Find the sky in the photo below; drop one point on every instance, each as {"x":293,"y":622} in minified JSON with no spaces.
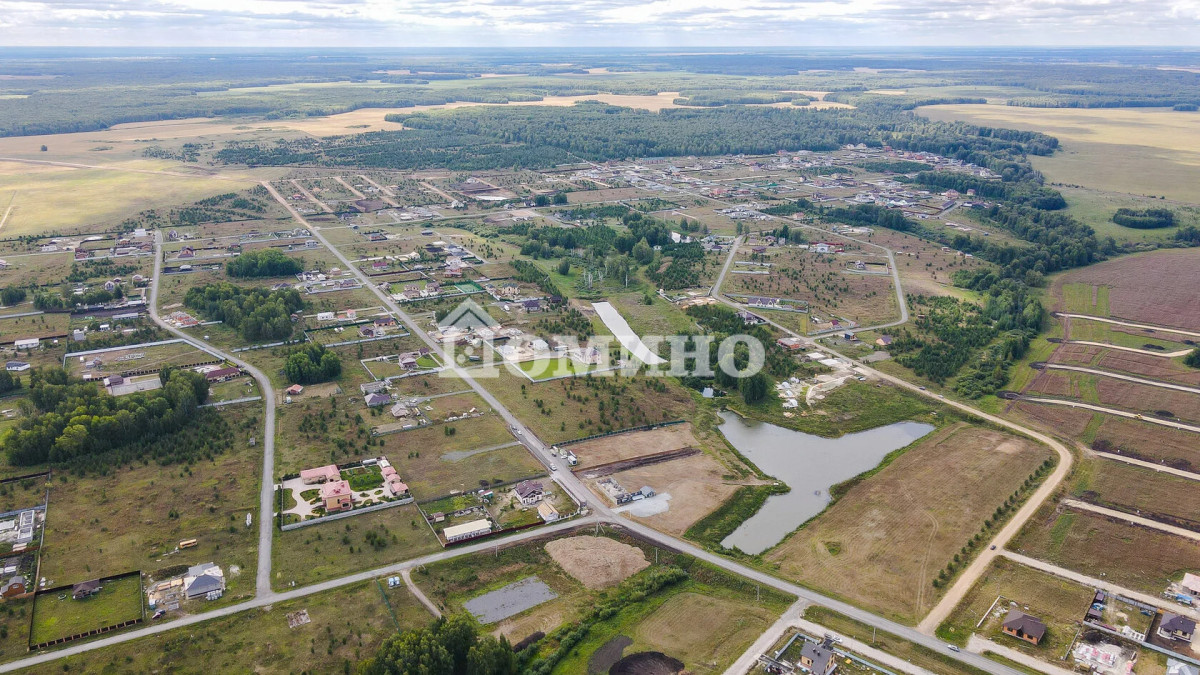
{"x":596,"y":23}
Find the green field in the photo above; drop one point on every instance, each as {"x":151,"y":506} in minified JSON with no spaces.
{"x":544,"y":369}
{"x":56,"y":615}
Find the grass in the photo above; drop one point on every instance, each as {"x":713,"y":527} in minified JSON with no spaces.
{"x":1096,"y":208}
{"x":856,"y":406}
{"x":57,"y":615}
{"x":1019,"y":667}
{"x":918,"y":655}
{"x":1096,"y":331}
{"x":347,"y":625}
{"x":1139,"y":151}
{"x":1150,"y":494}
{"x":1126,"y":555}
{"x":1085,"y":299}
{"x":330,"y":550}
{"x":544,"y":369}
{"x":1060,"y":604}
{"x":909,"y":515}
{"x":134,"y":517}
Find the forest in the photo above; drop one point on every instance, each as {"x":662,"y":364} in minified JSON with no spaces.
{"x":77,"y":420}
{"x":264,"y":262}
{"x":257,"y":314}
{"x":311,"y":364}
{"x":1144,"y":219}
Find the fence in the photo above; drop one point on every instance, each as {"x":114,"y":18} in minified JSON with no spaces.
{"x":344,"y":514}
{"x":95,"y":631}
{"x":644,"y":427}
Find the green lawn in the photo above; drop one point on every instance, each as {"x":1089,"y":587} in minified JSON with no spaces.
{"x":57,"y":615}
{"x":542,"y":369}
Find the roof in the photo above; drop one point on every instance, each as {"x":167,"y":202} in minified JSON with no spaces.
{"x":86,"y":586}
{"x":1174,"y":623}
{"x":203,"y":568}
{"x":1025,"y":624}
{"x":1191,"y":582}
{"x":222,"y":372}
{"x":528,"y":487}
{"x":546,"y":509}
{"x":819,"y":656}
{"x":205,"y":583}
{"x":377,"y":399}
{"x":329,"y":472}
{"x":467,"y":528}
{"x":335,"y":489}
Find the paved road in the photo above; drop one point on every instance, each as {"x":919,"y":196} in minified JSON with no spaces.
{"x":787,"y":621}
{"x":979,"y":645}
{"x":981,"y":562}
{"x":1103,"y":585}
{"x":1127,"y":378}
{"x":1128,"y":324}
{"x":1136,"y":520}
{"x":1149,"y":465}
{"x":569,"y":482}
{"x":266,"y":507}
{"x":1135,"y":350}
{"x":716,"y":287}
{"x":1113,"y":411}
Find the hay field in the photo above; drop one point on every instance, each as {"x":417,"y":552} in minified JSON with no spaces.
{"x":1145,"y":151}
{"x":633,"y":444}
{"x":57,"y":198}
{"x":884,"y":541}
{"x":1168,"y":277}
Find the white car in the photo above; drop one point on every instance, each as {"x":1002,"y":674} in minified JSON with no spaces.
{"x":553,"y":467}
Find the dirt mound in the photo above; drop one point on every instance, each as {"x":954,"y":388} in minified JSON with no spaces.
{"x":597,"y":562}
{"x":647,"y":663}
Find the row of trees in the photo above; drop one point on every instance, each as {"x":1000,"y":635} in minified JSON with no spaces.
{"x":264,"y":262}
{"x":77,"y":420}
{"x":258,"y":313}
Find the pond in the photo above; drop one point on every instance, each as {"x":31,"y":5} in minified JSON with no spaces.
{"x":810,"y":465}
{"x":510,"y":600}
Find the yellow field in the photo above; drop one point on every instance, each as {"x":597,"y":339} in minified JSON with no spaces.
{"x":1144,"y":151}
{"x":45,"y":197}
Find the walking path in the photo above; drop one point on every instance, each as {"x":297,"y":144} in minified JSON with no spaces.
{"x":419,"y":594}
{"x":384,"y":193}
{"x":1093,"y":582}
{"x":354,"y":191}
{"x":1135,"y":350}
{"x":1150,"y":465}
{"x":306,"y":193}
{"x":1136,"y":520}
{"x":1127,"y":378}
{"x":1128,"y":324}
{"x":1113,"y":411}
{"x":980,"y":645}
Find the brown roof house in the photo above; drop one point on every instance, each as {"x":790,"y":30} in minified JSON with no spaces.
{"x":1024,"y":627}
{"x":337,"y":496}
{"x":1175,"y":627}
{"x":529,"y":492}
{"x":85,"y":589}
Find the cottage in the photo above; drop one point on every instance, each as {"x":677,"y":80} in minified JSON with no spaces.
{"x":85,"y":589}
{"x":203,"y":579}
{"x":790,"y":343}
{"x":294,"y":390}
{"x":322,"y":474}
{"x":1175,"y":627}
{"x":1191,"y":584}
{"x":16,"y":366}
{"x":532,"y":305}
{"x":113,"y":381}
{"x":372,"y":387}
{"x":529,"y":492}
{"x":392,"y":480}
{"x":369,"y":331}
{"x":14,"y":587}
{"x":385,"y":321}
{"x":475,"y":528}
{"x":337,"y":496}
{"x":1024,"y":627}
{"x":818,"y":659}
{"x":374,"y":400}
{"x":401,"y":410}
{"x":884,"y":340}
{"x":222,"y":374}
{"x":547,"y":512}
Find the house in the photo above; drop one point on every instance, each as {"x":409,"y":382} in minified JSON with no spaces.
{"x":1024,"y":627}
{"x":27,"y":343}
{"x":475,"y":528}
{"x":85,"y":589}
{"x":369,"y":331}
{"x":113,"y":381}
{"x":818,"y":659}
{"x":16,"y":366}
{"x":884,"y":340}
{"x":337,"y":496}
{"x":548,"y":513}
{"x":392,"y":480}
{"x":372,"y":387}
{"x":373,"y":400}
{"x":222,"y":374}
{"x":532,"y":305}
{"x":322,"y":474}
{"x":401,"y":410}
{"x":1175,"y":627}
{"x":294,"y":390}
{"x":14,"y":587}
{"x":202,"y":580}
{"x":790,"y":343}
{"x":385,"y":321}
{"x":187,"y":252}
{"x":1191,"y":584}
{"x":529,"y":492}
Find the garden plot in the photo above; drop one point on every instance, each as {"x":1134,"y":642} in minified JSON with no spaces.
{"x":57,"y":614}
{"x":143,"y":359}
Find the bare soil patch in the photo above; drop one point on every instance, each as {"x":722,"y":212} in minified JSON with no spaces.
{"x":597,"y":562}
{"x":633,"y":444}
{"x":1053,"y":383}
{"x":696,"y":484}
{"x":1153,"y":367}
{"x":647,"y":663}
{"x":1132,"y":396}
{"x":608,"y":654}
{"x":1168,"y":277}
{"x":1077,"y":355}
{"x":1068,"y":421}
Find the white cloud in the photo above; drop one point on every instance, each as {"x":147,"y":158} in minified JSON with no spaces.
{"x":481,"y":23}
